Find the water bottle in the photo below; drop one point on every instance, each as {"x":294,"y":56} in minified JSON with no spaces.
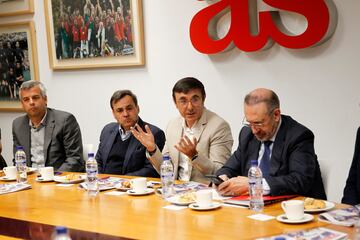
{"x":91,"y":175}
{"x":255,"y":187}
{"x":61,"y":233}
{"x":167,"y":177}
{"x":356,"y":231}
{"x":20,"y":161}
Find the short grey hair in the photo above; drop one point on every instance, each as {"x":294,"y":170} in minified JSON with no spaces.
{"x":32,"y":83}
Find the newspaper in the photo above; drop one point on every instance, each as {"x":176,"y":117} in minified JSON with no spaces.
{"x":310,"y":234}
{"x":344,"y":217}
{"x":13,"y":187}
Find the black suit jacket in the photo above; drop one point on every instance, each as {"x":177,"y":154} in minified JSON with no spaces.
{"x":135,"y":163}
{"x":352,"y":187}
{"x":294,"y":168}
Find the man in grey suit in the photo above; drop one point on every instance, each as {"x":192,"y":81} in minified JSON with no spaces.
{"x":284,"y":148}
{"x":198,"y":142}
{"x":50,"y":137}
{"x":119,"y":152}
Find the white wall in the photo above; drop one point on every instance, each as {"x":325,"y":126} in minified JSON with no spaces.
{"x":318,"y":86}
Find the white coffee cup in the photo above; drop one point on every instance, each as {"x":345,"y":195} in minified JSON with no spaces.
{"x":139,"y":185}
{"x":10,"y":172}
{"x":204,"y":198}
{"x":294,"y":209}
{"x":47,"y":173}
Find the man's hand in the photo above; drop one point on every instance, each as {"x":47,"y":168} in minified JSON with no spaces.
{"x":234,"y":187}
{"x":145,"y":138}
{"x":187,"y":147}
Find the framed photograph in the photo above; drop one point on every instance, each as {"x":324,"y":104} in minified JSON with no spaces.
{"x":18,"y":62}
{"x":84,"y":34}
{"x":16,"y":7}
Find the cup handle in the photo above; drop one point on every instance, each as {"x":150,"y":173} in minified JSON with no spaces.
{"x":283,"y":206}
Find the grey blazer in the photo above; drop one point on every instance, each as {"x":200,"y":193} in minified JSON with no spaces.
{"x":62,"y":144}
{"x":214,"y":146}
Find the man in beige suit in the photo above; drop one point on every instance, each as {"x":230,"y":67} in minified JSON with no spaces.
{"x":198,"y":142}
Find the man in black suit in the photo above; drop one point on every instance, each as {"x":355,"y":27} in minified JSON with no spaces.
{"x":352,"y":187}
{"x":291,"y":166}
{"x":119,"y":151}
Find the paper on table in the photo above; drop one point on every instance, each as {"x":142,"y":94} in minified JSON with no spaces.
{"x":174,"y":207}
{"x":261,"y":217}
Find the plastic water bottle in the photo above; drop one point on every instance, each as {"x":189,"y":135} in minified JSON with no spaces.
{"x":255,"y":187}
{"x":91,"y":175}
{"x":356,"y":231}
{"x":20,"y":161}
{"x":167,"y":177}
{"x":61,"y":233}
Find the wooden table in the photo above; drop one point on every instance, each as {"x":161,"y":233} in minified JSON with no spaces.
{"x":135,"y":217}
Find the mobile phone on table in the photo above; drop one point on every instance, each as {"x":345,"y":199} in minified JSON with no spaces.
{"x":215,"y":179}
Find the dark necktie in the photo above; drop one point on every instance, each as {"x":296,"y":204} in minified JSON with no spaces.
{"x":265,"y":160}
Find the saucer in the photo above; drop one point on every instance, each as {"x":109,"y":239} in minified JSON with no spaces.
{"x":284,"y":219}
{"x":5,"y":178}
{"x":146,"y":192}
{"x":213,"y":205}
{"x":40,"y":179}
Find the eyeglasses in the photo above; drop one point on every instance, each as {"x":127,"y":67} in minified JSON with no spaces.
{"x":195,"y":101}
{"x":254,"y":125}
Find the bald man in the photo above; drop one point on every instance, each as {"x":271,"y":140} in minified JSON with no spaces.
{"x":283,"y":147}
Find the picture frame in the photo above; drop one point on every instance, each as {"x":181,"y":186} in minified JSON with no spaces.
{"x":16,"y":7}
{"x":97,"y":34}
{"x":18,"y":62}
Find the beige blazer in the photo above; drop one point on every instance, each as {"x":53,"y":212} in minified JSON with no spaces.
{"x":214,"y":146}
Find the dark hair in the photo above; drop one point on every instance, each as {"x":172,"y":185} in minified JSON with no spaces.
{"x":186,"y":84}
{"x":119,"y":94}
{"x":271,"y":100}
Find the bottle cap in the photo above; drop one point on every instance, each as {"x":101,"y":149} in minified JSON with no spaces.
{"x":254,"y":162}
{"x":90,"y":155}
{"x":19,"y":148}
{"x":61,"y":230}
{"x":166,"y":157}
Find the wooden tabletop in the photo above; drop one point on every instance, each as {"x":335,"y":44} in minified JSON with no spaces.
{"x":137,"y":217}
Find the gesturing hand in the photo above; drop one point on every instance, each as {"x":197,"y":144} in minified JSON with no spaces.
{"x":145,"y":138}
{"x":187,"y":147}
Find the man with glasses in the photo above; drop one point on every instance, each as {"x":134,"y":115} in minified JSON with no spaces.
{"x":199,"y":141}
{"x":283,"y":147}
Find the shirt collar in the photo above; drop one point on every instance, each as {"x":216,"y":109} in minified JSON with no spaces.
{"x":276,"y":132}
{"x":42,"y":122}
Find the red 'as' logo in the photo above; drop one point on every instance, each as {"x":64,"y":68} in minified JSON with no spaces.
{"x":252,"y":31}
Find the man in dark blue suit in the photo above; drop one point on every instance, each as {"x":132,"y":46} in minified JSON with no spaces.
{"x":291,"y":165}
{"x":352,"y":187}
{"x":119,"y":151}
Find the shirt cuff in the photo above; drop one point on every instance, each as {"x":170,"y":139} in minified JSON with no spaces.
{"x":266,"y":187}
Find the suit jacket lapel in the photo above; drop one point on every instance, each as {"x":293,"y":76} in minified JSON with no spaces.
{"x":49,"y":129}
{"x":25,"y":130}
{"x":278,"y":147}
{"x":109,"y":143}
{"x":201,"y":125}
{"x":253,"y":152}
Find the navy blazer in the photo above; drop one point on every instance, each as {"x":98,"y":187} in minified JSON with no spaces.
{"x":135,"y":162}
{"x":294,"y":168}
{"x":352,"y":187}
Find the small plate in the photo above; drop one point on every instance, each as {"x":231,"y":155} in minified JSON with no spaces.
{"x":214,"y":205}
{"x":176,"y":200}
{"x":284,"y":219}
{"x":147,"y":191}
{"x":5,"y":178}
{"x":39,"y":179}
{"x":328,"y":206}
{"x":63,"y":179}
